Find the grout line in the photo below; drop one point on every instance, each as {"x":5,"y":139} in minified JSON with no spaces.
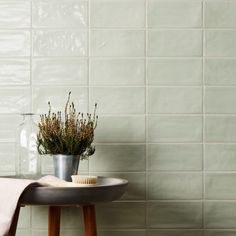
{"x":204,"y":117}
{"x":146,"y":114}
{"x":89,"y":58}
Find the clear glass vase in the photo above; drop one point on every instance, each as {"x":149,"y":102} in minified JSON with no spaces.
{"x":28,"y":162}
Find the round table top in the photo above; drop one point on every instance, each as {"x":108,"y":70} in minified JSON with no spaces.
{"x":106,"y":190}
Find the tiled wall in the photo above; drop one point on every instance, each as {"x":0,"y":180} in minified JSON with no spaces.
{"x":164,"y":74}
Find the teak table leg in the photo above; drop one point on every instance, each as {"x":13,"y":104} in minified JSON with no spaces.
{"x":89,"y":220}
{"x":54,"y":216}
{"x":12,"y":231}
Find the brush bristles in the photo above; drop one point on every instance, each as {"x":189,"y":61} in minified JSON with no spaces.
{"x":84,"y":179}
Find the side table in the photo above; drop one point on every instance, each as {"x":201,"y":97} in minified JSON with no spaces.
{"x":106,"y":190}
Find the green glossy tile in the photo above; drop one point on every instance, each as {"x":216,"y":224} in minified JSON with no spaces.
{"x":118,"y":158}
{"x":175,"y":100}
{"x":174,"y":215}
{"x":220,"y":215}
{"x":23,"y":232}
{"x":117,"y":71}
{"x":164,"y":186}
{"x":220,"y":157}
{"x":220,"y":14}
{"x":174,"y":232}
{"x":39,"y":217}
{"x":24,"y":217}
{"x":71,"y":218}
{"x":174,"y":14}
{"x":174,"y":157}
{"x":220,"y":128}
{"x":220,"y":186}
{"x":175,"y":43}
{"x":59,"y":14}
{"x":136,"y":189}
{"x":118,"y":43}
{"x":174,"y":129}
{"x":8,"y":126}
{"x":60,"y":71}
{"x":116,"y":13}
{"x":7,"y":165}
{"x":122,"y":233}
{"x":174,"y":71}
{"x":220,"y":43}
{"x":121,"y":215}
{"x":71,"y":232}
{"x":219,"y":233}
{"x":118,"y":100}
{"x":220,"y":71}
{"x":220,"y":100}
{"x":120,"y":129}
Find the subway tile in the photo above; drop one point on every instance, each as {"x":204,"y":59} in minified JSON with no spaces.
{"x":117,"y":157}
{"x":39,"y":217}
{"x":117,"y":71}
{"x":166,"y":157}
{"x":8,"y":126}
{"x":136,"y":189}
{"x":117,"y":13}
{"x":220,"y":215}
{"x":174,"y":71}
{"x":220,"y":14}
{"x":220,"y":100}
{"x":174,"y":232}
{"x":119,"y":232}
{"x":174,"y":215}
{"x":220,"y":157}
{"x":174,"y":14}
{"x":14,"y":100}
{"x":220,"y":186}
{"x":58,"y":98}
{"x":174,"y":128}
{"x":14,"y":14}
{"x":59,"y":14}
{"x":23,"y":232}
{"x":65,"y":71}
{"x":7,"y":165}
{"x":70,"y":232}
{"x":175,"y":100}
{"x":220,"y":71}
{"x":219,"y":232}
{"x":14,"y":43}
{"x":118,"y":100}
{"x":164,"y":186}
{"x":120,"y":129}
{"x":59,"y":43}
{"x":118,"y":43}
{"x":71,"y":218}
{"x":220,"y":43}
{"x":121,"y":215}
{"x":24,"y":217}
{"x":174,"y":43}
{"x":14,"y":72}
{"x":220,"y":128}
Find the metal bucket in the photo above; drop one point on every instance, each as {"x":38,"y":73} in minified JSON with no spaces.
{"x":65,"y":166}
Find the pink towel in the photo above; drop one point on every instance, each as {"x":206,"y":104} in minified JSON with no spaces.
{"x":10,"y":191}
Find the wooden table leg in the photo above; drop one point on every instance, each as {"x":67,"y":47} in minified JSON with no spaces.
{"x":89,"y":220}
{"x":54,"y":216}
{"x":12,"y":231}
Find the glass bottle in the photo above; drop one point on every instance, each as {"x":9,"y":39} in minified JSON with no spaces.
{"x":28,"y":162}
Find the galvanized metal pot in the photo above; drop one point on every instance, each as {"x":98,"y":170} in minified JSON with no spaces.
{"x":65,"y":166}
